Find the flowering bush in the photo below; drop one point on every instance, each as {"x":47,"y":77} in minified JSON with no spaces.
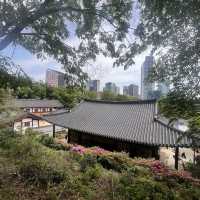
{"x":160,"y":169}
{"x":92,"y":150}
{"x":78,"y":149}
{"x":97,"y":150}
{"x":120,"y":161}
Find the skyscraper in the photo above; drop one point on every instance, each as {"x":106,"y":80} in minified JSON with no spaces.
{"x":150,"y":90}
{"x":146,"y":86}
{"x":55,"y":78}
{"x":94,"y":85}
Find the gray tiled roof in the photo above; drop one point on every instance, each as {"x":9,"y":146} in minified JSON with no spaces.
{"x":56,"y":112}
{"x":129,"y":121}
{"x":37,"y":103}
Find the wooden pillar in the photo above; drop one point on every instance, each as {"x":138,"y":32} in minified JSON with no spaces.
{"x":69,"y":136}
{"x":54,"y":130}
{"x":176,"y":157}
{"x":38,"y":124}
{"x":32,"y":122}
{"x":194,"y":160}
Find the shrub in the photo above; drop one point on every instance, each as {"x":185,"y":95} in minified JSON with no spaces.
{"x":36,"y":163}
{"x":194,"y":168}
{"x":49,"y":142}
{"x":87,"y":160}
{"x":40,"y":174}
{"x":142,"y":188}
{"x":97,"y":150}
{"x":46,"y":140}
{"x":92,"y":173}
{"x":78,"y":149}
{"x":7,"y":138}
{"x":190,"y":193}
{"x":129,"y":175}
{"x":114,"y":161}
{"x":25,"y":148}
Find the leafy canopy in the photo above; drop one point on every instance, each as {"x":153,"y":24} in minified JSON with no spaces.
{"x":171,"y":28}
{"x":43,"y":28}
{"x":11,"y":75}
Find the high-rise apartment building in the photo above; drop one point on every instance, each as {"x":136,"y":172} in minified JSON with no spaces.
{"x":131,"y":90}
{"x":55,"y":78}
{"x":117,"y":91}
{"x":94,"y":85}
{"x":111,"y":87}
{"x":125,"y":90}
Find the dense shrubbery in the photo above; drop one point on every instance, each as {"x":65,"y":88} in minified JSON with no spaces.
{"x":40,"y":174}
{"x":195,"y":168}
{"x":115,"y":161}
{"x":121,"y":161}
{"x":49,"y":142}
{"x":6,"y":138}
{"x":76,"y":175}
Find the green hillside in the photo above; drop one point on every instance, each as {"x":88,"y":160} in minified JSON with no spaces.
{"x":36,"y":167}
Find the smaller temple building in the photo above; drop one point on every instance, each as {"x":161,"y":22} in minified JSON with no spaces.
{"x":32,"y":110}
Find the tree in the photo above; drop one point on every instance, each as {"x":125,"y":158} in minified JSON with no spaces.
{"x":8,"y":112}
{"x":172,"y":29}
{"x":69,"y":97}
{"x":39,"y":90}
{"x":155,"y":94}
{"x":90,"y":95}
{"x":43,"y":27}
{"x":11,"y":75}
{"x":25,"y":92}
{"x":177,"y":106}
{"x":107,"y":95}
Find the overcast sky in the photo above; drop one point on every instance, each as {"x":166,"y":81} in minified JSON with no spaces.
{"x":101,"y":69}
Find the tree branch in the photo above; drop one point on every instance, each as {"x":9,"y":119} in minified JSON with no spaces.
{"x":13,"y":34}
{"x":33,"y":34}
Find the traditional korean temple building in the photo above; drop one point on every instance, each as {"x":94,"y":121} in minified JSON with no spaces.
{"x":38,"y":106}
{"x":132,"y":126}
{"x":32,"y":109}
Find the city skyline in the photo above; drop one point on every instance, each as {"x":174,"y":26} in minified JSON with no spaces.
{"x":52,"y":79}
{"x":36,"y":68}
